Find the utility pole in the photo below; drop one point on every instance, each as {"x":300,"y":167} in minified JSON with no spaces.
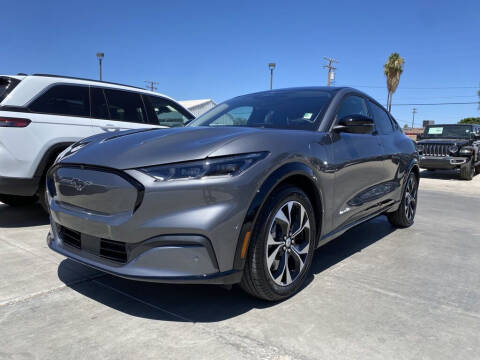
{"x":414,"y":111}
{"x":151,"y":85}
{"x":331,"y":69}
{"x":100,"y":57}
{"x":271,"y":66}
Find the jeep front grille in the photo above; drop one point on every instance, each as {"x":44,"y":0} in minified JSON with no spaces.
{"x":435,"y":149}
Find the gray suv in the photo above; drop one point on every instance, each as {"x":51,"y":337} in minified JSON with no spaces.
{"x":243,"y":194}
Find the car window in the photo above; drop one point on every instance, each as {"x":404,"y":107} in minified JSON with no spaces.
{"x":7,"y":84}
{"x":382,"y":120}
{"x":125,"y":106}
{"x":352,"y":105}
{"x":236,"y":117}
{"x":166,"y":113}
{"x":63,"y":100}
{"x":99,"y":106}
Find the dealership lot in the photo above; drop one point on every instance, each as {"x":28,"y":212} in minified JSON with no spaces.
{"x":375,"y":292}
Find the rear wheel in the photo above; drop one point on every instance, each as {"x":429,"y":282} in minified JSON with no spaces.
{"x":467,"y":171}
{"x":15,"y":200}
{"x":405,"y":214}
{"x":282,"y":246}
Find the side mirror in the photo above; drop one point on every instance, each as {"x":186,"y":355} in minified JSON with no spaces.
{"x":355,"y":124}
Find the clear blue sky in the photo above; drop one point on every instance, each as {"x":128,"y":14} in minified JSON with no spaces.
{"x":220,"y":49}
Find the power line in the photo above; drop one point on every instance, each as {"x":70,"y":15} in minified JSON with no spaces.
{"x":331,"y":69}
{"x":419,"y":88}
{"x":443,"y":103}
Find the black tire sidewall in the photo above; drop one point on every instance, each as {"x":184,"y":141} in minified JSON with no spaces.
{"x":275,"y":202}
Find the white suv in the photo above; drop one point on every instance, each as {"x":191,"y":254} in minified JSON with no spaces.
{"x":41,"y":115}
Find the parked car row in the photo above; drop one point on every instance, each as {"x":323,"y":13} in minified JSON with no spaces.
{"x":243,"y":194}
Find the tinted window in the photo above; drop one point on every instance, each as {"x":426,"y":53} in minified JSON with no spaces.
{"x":63,"y":100}
{"x":99,"y":104}
{"x":166,"y":113}
{"x":6,"y":86}
{"x":382,"y":120}
{"x":296,"y":110}
{"x":352,"y":105}
{"x":125,"y":106}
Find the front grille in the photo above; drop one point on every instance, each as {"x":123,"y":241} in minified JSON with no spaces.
{"x":108,"y":249}
{"x":71,"y":237}
{"x":435,"y":149}
{"x":113,"y":250}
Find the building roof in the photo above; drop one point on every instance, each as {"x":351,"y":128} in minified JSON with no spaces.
{"x":194,"y":103}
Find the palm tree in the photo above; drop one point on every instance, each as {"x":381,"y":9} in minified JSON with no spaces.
{"x":392,"y":69}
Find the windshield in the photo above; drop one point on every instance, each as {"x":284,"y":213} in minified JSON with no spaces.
{"x":448,"y":131}
{"x":297,"y":110}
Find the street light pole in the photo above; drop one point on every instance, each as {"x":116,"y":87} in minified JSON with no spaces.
{"x":271,"y":66}
{"x":100,"y":57}
{"x":414,"y":111}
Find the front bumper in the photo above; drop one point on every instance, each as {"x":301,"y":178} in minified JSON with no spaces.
{"x":446,"y":162}
{"x":186,"y":259}
{"x":185,"y":231}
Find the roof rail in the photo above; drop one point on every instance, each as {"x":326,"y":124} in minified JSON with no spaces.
{"x":78,"y":78}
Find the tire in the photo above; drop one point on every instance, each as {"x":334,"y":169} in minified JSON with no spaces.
{"x":467,"y":171}
{"x":42,"y":197}
{"x":405,"y":214}
{"x":16,"y":201}
{"x":264,"y":276}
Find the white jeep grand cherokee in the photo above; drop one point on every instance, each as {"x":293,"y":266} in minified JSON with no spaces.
{"x":41,"y":115}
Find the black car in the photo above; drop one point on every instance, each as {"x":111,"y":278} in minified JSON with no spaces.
{"x":451,"y":147}
{"x":243,"y":194}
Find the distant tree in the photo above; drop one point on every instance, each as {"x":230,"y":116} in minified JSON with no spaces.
{"x":392,"y":69}
{"x":405,"y":126}
{"x":470,"y":120}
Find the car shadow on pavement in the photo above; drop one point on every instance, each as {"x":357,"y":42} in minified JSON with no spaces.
{"x":23,"y":216}
{"x":205,"y":303}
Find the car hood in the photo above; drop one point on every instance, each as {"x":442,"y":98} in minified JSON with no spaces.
{"x":443,"y":141}
{"x":146,"y":147}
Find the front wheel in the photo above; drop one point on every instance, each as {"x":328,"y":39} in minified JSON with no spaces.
{"x":405,"y":214}
{"x":467,"y":171}
{"x":282,"y":246}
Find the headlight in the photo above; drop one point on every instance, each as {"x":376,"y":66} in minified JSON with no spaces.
{"x":419,"y":148}
{"x":466,"y":151}
{"x":453,"y":149}
{"x":221,"y":166}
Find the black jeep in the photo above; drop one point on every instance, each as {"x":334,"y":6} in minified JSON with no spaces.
{"x":450,"y":147}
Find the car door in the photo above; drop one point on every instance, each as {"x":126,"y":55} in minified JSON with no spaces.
{"x":114,"y":110}
{"x":392,"y":140}
{"x":358,"y":166}
{"x":59,"y":115}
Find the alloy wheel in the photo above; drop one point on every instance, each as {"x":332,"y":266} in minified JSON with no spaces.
{"x":288,"y":243}
{"x":411,"y":192}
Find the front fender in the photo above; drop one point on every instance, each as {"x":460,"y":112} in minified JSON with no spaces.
{"x":277,"y":177}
